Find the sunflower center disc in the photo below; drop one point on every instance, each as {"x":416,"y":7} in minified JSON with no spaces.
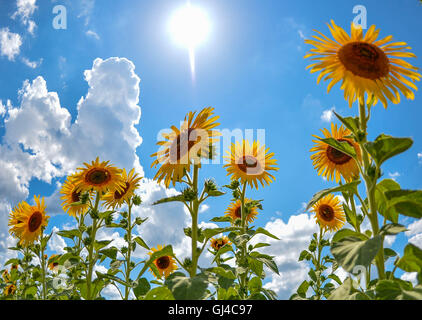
{"x":76,"y":196}
{"x":183,"y":143}
{"x":238,"y":213}
{"x":219,"y":244}
{"x":97,"y":176}
{"x":337,"y":156}
{"x":364,"y":60}
{"x":163,"y":262}
{"x":118,"y":195}
{"x":326,"y":212}
{"x":250,"y":165}
{"x":35,"y":221}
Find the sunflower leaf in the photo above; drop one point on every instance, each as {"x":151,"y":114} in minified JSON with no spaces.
{"x":411,"y":260}
{"x":386,"y":147}
{"x":184,"y":288}
{"x":350,"y":187}
{"x":209,"y":233}
{"x":342,"y":146}
{"x":179,"y":198}
{"x":352,"y":251}
{"x":159,"y":293}
{"x":381,"y":199}
{"x":351,"y":123}
{"x":405,"y":202}
{"x":141,"y":242}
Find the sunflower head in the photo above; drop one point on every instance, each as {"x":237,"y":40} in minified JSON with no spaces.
{"x":234,"y":211}
{"x":10,"y":290}
{"x":329,"y":213}
{"x":250,"y":163}
{"x":182,"y":147}
{"x":166,"y":265}
{"x":332,"y":163}
{"x":53,"y":261}
{"x":365,"y":65}
{"x":72,"y":197}
{"x":6,"y":276}
{"x":98,"y":176}
{"x":116,"y":198}
{"x":27,"y":222}
{"x":218,"y":243}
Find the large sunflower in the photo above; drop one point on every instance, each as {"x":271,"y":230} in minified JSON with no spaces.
{"x":27,"y":221}
{"x":250,"y":163}
{"x":9,"y":290}
{"x":166,"y":265}
{"x":329,"y":213}
{"x":364,"y":64}
{"x":218,"y":243}
{"x":331,"y":162}
{"x":234,"y":211}
{"x":181,"y":147}
{"x":98,"y":176}
{"x":117,"y":198}
{"x":72,"y":198}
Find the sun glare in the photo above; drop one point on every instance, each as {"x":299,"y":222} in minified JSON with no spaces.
{"x":189,"y":27}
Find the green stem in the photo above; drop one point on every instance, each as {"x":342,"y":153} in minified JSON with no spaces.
{"x":243,"y":278}
{"x":318,"y":266}
{"x":91,"y":261}
{"x":129,"y":252}
{"x":194,"y":213}
{"x":370,"y":189}
{"x":43,"y":267}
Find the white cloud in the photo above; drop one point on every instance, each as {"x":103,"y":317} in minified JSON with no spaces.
{"x":57,"y":243}
{"x":295,"y":236}
{"x":328,"y":115}
{"x":415,"y":233}
{"x":93,"y":34}
{"x":394,"y":175}
{"x":86,"y":8}
{"x":420,"y":157}
{"x":203,"y":208}
{"x":410,"y":276}
{"x":10,"y":43}
{"x":32,"y":64}
{"x":25,"y":10}
{"x":2,"y":109}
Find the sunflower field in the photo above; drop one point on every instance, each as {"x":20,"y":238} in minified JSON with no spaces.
{"x":372,"y":72}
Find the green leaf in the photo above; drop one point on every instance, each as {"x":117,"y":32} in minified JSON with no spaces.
{"x":159,"y":293}
{"x":392,"y":229}
{"x":184,"y":288}
{"x":141,"y":242}
{"x":342,"y":146}
{"x":222,"y":272}
{"x":70,"y":234}
{"x":266,"y":259}
{"x":386,"y":147}
{"x":350,"y":216}
{"x":303,"y":289}
{"x":406,"y":202}
{"x":256,"y":266}
{"x":110,"y":252}
{"x":98,"y":245}
{"x":221,"y":219}
{"x":142,"y":288}
{"x":260,"y":245}
{"x":216,"y":193}
{"x":110,"y":277}
{"x":209,"y":233}
{"x":351,"y":251}
{"x":263,"y":231}
{"x":255,"y":284}
{"x":344,"y":233}
{"x":347,"y":292}
{"x":381,"y":199}
{"x":393,"y":290}
{"x":349,"y":187}
{"x":335,"y":278}
{"x":411,"y":260}
{"x":351,"y":123}
{"x":179,"y":198}
{"x":305,"y":255}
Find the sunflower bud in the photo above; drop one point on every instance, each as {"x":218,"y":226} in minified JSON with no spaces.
{"x":189,"y":194}
{"x":124,"y":250}
{"x":210,"y":186}
{"x":137,"y":200}
{"x":235,"y":184}
{"x":187,"y":263}
{"x":94,"y":214}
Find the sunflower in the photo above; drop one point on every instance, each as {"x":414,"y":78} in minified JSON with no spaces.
{"x":364,"y":64}
{"x":218,"y":243}
{"x":6,"y":276}
{"x":234,"y":211}
{"x":329,"y":213}
{"x":27,"y":222}
{"x":52,"y":262}
{"x":166,"y":265}
{"x":117,"y":198}
{"x":98,"y":176}
{"x":10,"y":290}
{"x":331,"y":162}
{"x":72,"y":199}
{"x":181,"y":147}
{"x":250,"y":163}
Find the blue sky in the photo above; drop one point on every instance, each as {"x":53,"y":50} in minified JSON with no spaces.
{"x":251,"y":69}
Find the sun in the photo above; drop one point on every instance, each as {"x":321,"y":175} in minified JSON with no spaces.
{"x":189,"y":26}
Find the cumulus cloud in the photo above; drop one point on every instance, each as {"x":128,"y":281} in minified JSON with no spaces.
{"x":420,"y":157}
{"x":10,"y":44}
{"x":415,"y":233}
{"x":295,"y":235}
{"x":25,"y":11}
{"x":41,"y":142}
